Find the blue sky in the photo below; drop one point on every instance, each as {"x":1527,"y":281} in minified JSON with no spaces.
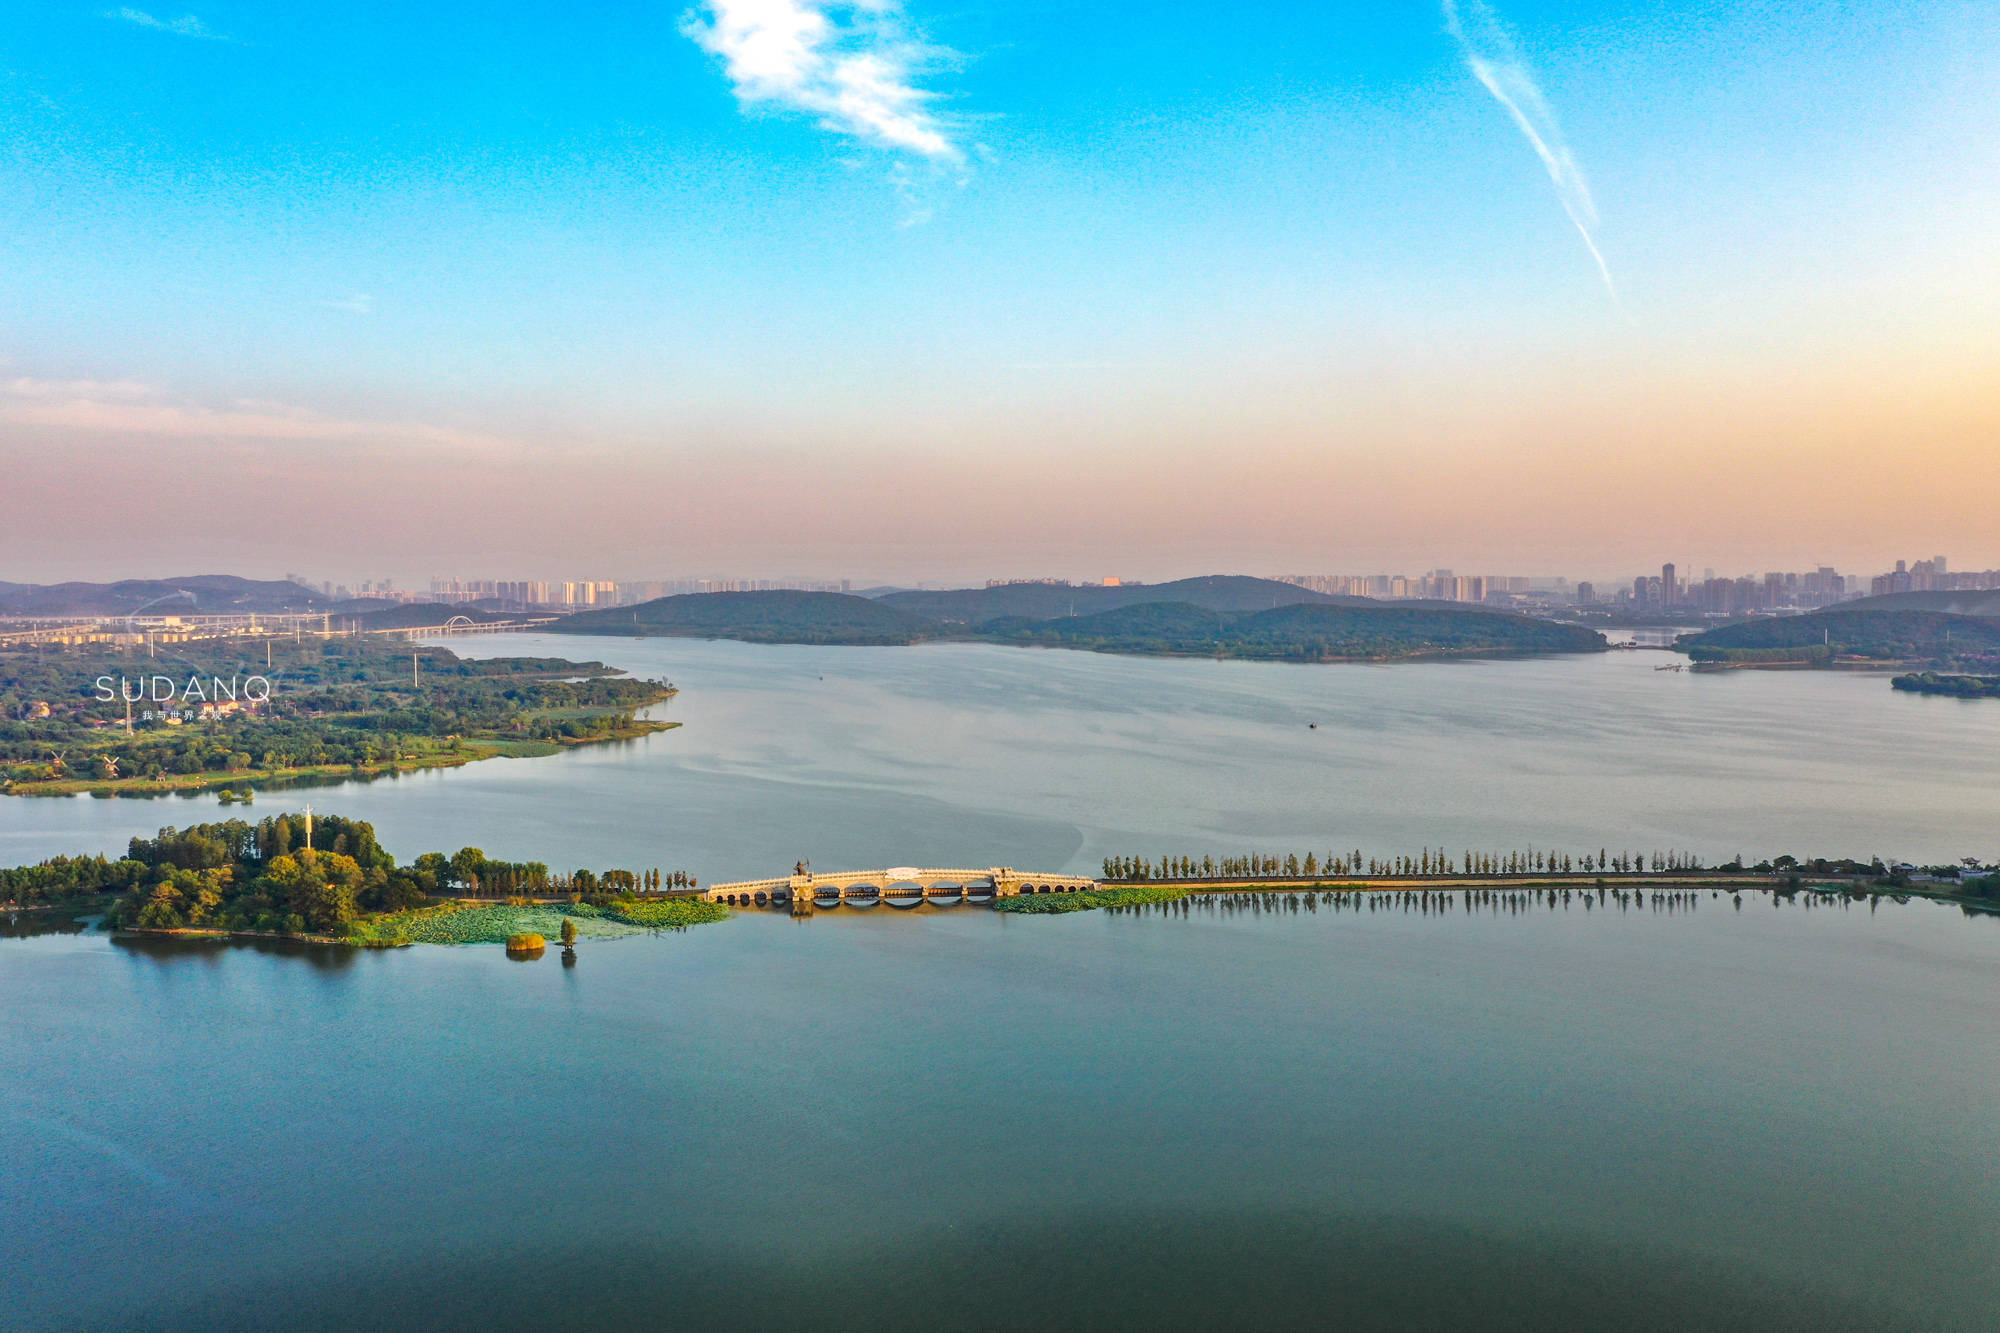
{"x":1238,"y":269}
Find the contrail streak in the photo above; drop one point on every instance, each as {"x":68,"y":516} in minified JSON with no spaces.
{"x":1496,"y":62}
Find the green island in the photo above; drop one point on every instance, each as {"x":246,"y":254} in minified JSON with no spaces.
{"x":1957,"y":686}
{"x":238,"y":715}
{"x":326,"y":879}
{"x":1213,"y":617}
{"x":1848,"y":636}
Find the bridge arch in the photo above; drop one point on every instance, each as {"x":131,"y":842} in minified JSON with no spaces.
{"x":901,"y":886}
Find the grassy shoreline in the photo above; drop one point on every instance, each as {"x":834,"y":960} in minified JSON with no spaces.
{"x":316,"y":774}
{"x":473,"y":921}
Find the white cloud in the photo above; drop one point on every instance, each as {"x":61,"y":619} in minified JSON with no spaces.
{"x":853,"y":65}
{"x":124,"y":407}
{"x":187,"y":25}
{"x":354,"y":303}
{"x":1497,"y":63}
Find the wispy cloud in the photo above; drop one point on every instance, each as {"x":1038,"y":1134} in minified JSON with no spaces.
{"x":187,"y":25}
{"x":125,"y":407}
{"x":1494,"y":59}
{"x":855,"y":66}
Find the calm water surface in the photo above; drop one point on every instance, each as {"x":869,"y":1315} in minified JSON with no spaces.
{"x":1765,"y":1118}
{"x":976,"y":755}
{"x":1709,"y":1117}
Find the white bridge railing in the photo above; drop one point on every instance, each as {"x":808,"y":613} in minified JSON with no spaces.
{"x":1001,"y":881}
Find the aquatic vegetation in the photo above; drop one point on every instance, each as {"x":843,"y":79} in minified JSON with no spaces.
{"x":1050,"y":904}
{"x":486,"y":923}
{"x":494,"y":923}
{"x":667,"y":914}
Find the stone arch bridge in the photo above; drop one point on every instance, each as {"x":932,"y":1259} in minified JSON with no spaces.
{"x":905,"y":886}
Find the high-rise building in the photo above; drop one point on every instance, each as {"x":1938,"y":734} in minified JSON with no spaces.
{"x":1669,"y":590}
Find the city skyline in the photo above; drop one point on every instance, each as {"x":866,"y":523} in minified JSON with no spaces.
{"x":911,"y":292}
{"x":1770,"y":590}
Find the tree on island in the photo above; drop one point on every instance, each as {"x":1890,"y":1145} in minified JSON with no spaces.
{"x":465,"y":867}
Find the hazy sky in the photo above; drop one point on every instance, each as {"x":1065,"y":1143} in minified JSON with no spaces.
{"x":769,"y":287}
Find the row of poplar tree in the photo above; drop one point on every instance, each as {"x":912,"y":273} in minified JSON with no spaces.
{"x":1431,"y":861}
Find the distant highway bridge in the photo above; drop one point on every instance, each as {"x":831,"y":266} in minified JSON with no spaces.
{"x":467,"y":625}
{"x":898,"y":886}
{"x":180,"y":629}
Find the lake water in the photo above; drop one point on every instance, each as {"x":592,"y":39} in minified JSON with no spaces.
{"x":1765,"y":1118}
{"x":977,"y":755}
{"x":1703,"y":1116}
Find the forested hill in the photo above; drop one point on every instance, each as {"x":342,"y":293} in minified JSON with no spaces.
{"x":1048,"y":601}
{"x":759,"y":617}
{"x":1303,"y":632}
{"x":1320,"y":631}
{"x":205,"y":594}
{"x":1844,"y":631}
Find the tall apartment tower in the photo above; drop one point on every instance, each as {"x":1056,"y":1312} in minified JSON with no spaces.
{"x":1669,"y":590}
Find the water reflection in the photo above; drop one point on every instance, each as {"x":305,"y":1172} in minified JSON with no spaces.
{"x":1415,"y":1110}
{"x":1442,"y":901}
{"x":211,"y":949}
{"x":1150,"y":1269}
{"x":27,"y":922}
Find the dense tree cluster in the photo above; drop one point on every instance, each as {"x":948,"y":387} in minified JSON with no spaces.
{"x":67,"y":877}
{"x":1963,"y":687}
{"x":269,"y":876}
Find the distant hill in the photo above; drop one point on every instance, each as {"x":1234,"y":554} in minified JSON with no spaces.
{"x":1300,"y":630}
{"x":1303,"y":631}
{"x":207,"y":594}
{"x":759,"y":617}
{"x":1985,"y":603}
{"x":1845,"y":630}
{"x":1049,"y":601}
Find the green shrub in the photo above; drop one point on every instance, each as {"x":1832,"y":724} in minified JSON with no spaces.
{"x":1052,"y":904}
{"x":667,"y":914}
